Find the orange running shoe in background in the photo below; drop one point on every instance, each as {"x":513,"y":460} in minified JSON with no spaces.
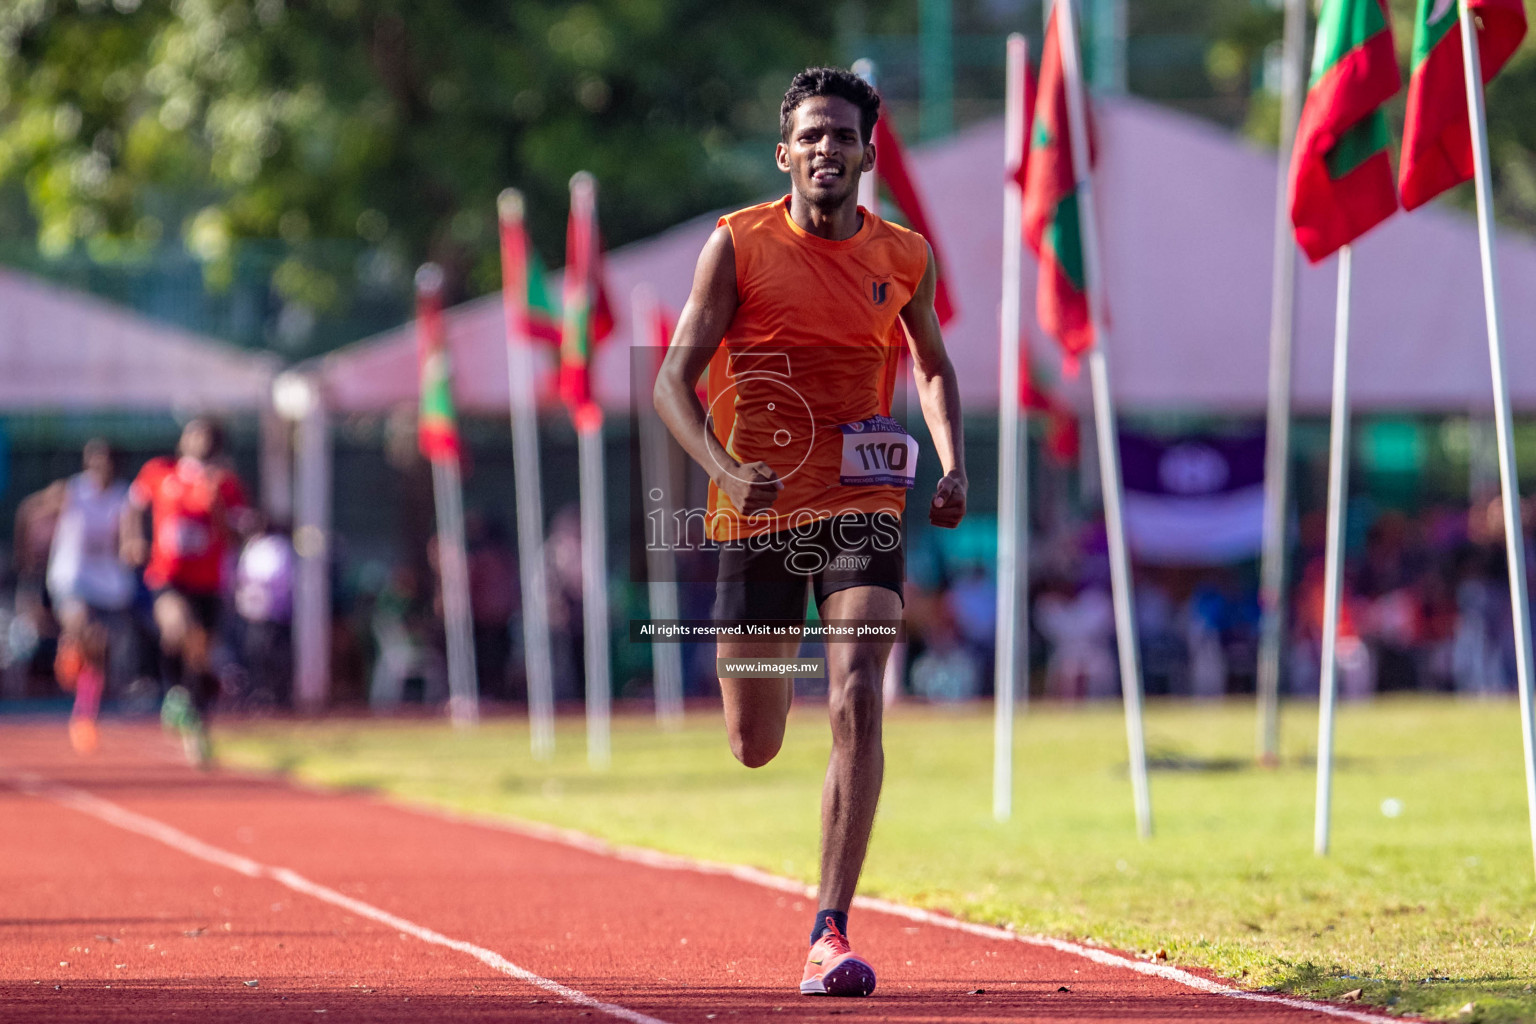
{"x":67,"y":664}
{"x":82,"y":735}
{"x":832,"y":969}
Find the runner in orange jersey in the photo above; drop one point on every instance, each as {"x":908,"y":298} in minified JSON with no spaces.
{"x":800,"y":309}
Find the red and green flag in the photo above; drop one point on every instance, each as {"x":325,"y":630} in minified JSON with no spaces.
{"x":1341,"y":177}
{"x":891,"y":171}
{"x":532,"y":313}
{"x":1437,"y":136}
{"x":1062,"y":436}
{"x":1052,"y":225}
{"x":588,"y":317}
{"x":437,"y":430}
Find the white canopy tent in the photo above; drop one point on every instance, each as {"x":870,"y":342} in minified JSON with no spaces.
{"x":1187,"y":215}
{"x":63,"y":349}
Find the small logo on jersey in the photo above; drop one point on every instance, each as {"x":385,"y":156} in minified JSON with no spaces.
{"x":877,"y":290}
{"x":857,"y":428}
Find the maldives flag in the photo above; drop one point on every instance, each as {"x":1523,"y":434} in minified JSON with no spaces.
{"x":1051,"y":222}
{"x":531,"y":312}
{"x":891,"y":171}
{"x":1437,"y":138}
{"x":437,"y":431}
{"x":1341,"y":177}
{"x":588,"y":317}
{"x":1062,"y":437}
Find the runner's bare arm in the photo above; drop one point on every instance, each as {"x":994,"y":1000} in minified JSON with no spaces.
{"x":42,"y":506}
{"x":131,"y":545}
{"x":939,"y":394}
{"x":752,"y":487}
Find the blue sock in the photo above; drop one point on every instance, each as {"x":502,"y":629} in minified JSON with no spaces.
{"x":839,"y":918}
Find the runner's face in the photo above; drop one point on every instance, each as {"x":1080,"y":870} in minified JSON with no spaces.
{"x":825,"y":153}
{"x":197,"y":441}
{"x":98,"y":463}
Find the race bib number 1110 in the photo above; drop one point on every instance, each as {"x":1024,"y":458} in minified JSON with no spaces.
{"x":878,"y":451}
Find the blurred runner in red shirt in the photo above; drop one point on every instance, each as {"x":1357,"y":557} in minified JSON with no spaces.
{"x":195,"y":504}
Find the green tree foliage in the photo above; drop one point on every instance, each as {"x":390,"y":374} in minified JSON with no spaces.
{"x":390,"y":123}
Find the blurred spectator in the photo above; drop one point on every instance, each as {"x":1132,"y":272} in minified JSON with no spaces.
{"x":24,"y":638}
{"x":1475,"y":655}
{"x":936,"y":657}
{"x":566,"y":627}
{"x":947,"y":670}
{"x":1203,"y":617}
{"x":264,"y":602}
{"x":971,"y":602}
{"x":493,"y":592}
{"x":1356,"y":666}
{"x":1080,"y":629}
{"x":409,"y":638}
{"x":1163,"y":650}
{"x":31,"y":639}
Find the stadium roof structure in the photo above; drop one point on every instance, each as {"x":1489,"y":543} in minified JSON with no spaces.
{"x":64,"y":349}
{"x":1187,"y":210}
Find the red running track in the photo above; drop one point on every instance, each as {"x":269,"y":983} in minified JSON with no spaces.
{"x":136,"y":889}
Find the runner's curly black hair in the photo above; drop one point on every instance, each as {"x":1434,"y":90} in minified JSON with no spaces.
{"x":830,"y":82}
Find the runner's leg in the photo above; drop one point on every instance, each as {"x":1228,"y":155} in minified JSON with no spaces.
{"x":183,"y":643}
{"x":756,"y":709}
{"x":756,"y":585}
{"x":172,"y":619}
{"x":198,"y":653}
{"x":855,"y":671}
{"x":93,"y":670}
{"x":74,"y":671}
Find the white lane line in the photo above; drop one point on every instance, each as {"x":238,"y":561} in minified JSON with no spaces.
{"x":758,"y":877}
{"x":132,"y":821}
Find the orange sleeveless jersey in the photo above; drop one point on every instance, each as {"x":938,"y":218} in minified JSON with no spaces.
{"x":815,"y":344}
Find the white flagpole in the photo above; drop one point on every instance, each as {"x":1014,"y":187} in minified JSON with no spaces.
{"x":656,"y":484}
{"x":1513,"y":532}
{"x":1277,"y":433}
{"x":1013,"y":455}
{"x":1109,"y":448}
{"x":301,"y":399}
{"x":594,"y":535}
{"x":537,"y":660}
{"x":869,"y":183}
{"x":1333,"y":574}
{"x":869,"y":198}
{"x":452,"y":563}
{"x":463,"y":695}
{"x":594,"y":589}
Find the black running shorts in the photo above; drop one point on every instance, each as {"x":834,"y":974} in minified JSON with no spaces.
{"x":763,"y":579}
{"x":206,"y":609}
